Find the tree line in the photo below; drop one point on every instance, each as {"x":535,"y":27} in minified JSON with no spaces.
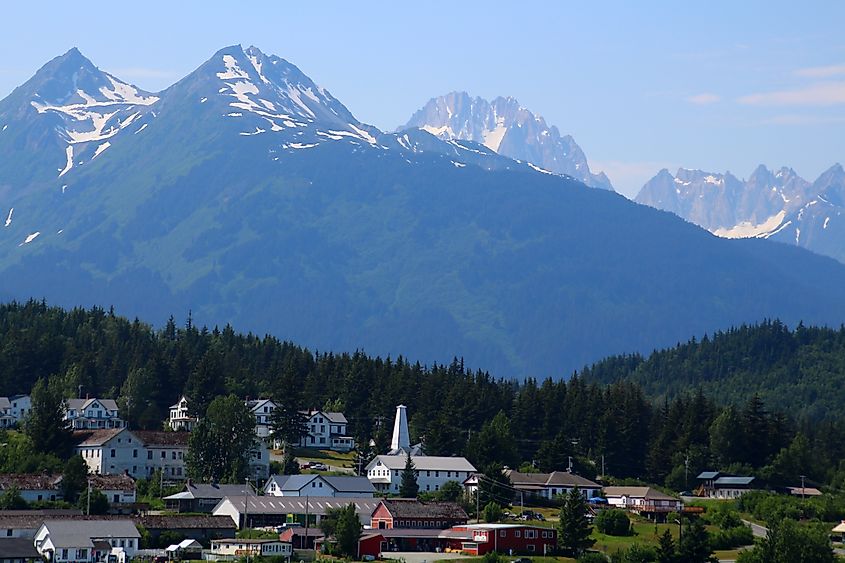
{"x":594,"y":421}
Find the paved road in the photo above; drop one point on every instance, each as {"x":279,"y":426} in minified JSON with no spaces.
{"x":422,"y":556}
{"x":756,"y":529}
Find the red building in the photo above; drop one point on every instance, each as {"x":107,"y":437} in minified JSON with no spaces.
{"x":506,"y":538}
{"x":413,"y":513}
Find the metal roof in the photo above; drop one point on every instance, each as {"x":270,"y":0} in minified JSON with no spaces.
{"x":423,"y":463}
{"x":727,"y":481}
{"x":80,"y":533}
{"x":707,"y":475}
{"x":297,"y":505}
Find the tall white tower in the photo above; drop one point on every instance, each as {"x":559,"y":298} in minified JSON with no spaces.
{"x":401,"y":441}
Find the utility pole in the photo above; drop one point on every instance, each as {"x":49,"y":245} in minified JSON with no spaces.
{"x":88,"y":502}
{"x":802,"y":485}
{"x":603,"y":474}
{"x":686,"y":472}
{"x":477,"y":499}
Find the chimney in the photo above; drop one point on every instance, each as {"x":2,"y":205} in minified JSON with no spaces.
{"x":401,"y":438}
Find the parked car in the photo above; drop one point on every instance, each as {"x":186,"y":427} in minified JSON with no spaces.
{"x":319,"y":467}
{"x":306,"y":465}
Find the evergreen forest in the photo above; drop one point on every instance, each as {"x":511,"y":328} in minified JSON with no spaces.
{"x":610,"y":418}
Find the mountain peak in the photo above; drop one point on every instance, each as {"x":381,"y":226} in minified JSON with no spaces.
{"x":507,"y":128}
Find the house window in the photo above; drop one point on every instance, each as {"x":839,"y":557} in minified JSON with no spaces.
{"x":9,"y":533}
{"x":517,"y":534}
{"x":163,"y":454}
{"x":113,"y":452}
{"x":134,"y":453}
{"x":173,"y":454}
{"x":531,"y":548}
{"x":150,"y":454}
{"x":502,"y":533}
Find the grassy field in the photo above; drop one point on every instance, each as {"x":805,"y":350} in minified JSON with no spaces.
{"x":329,"y":457}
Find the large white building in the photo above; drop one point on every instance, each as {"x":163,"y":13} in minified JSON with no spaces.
{"x":92,"y":414}
{"x":385,"y":471}
{"x":13,"y":409}
{"x":262,"y":409}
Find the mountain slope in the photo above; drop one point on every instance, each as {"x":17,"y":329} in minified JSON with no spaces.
{"x":339,"y":236}
{"x":801,"y":371}
{"x":509,"y":129}
{"x":779,"y":205}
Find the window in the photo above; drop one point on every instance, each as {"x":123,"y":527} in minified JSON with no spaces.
{"x":134,"y":453}
{"x":163,"y":454}
{"x":116,"y":498}
{"x":173,"y":454}
{"x":150,"y":454}
{"x":517,"y":534}
{"x":531,"y":548}
{"x":131,"y":543}
{"x":113,"y":452}
{"x":9,"y":533}
{"x":530,"y":534}
{"x":502,"y":533}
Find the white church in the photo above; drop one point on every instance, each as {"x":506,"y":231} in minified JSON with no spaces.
{"x":385,"y":471}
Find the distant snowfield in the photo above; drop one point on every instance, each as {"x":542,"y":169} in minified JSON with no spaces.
{"x":748,"y":230}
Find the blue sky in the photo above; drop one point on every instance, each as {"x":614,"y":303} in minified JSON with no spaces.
{"x":640,"y":85}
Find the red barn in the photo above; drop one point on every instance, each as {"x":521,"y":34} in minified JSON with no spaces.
{"x":413,"y":513}
{"x":506,"y":538}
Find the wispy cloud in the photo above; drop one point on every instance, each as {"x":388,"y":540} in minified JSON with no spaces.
{"x":818,"y":94}
{"x":703,"y":99}
{"x":821,"y":71}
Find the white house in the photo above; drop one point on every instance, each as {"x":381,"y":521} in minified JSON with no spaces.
{"x":643,"y":500}
{"x":87,"y":541}
{"x":385,"y":471}
{"x":327,"y":430}
{"x":6,"y":418}
{"x":241,"y":547}
{"x":21,"y":405}
{"x":165,"y":451}
{"x":33,"y":487}
{"x":180,"y":420}
{"x":262,"y":409}
{"x":119,"y":489}
{"x":92,"y":414}
{"x":112,"y":452}
{"x":550,"y":485}
{"x":318,"y":485}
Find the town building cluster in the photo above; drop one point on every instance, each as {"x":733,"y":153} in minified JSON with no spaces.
{"x":208,"y":515}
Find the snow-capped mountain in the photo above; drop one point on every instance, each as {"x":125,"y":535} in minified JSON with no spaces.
{"x":70,"y":111}
{"x":770,"y":204}
{"x":509,"y":129}
{"x":247,"y":194}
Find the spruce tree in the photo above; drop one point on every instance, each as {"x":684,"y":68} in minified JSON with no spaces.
{"x":408,"y":488}
{"x":45,"y":424}
{"x":694,"y":545}
{"x":666,"y":552}
{"x":574,"y":529}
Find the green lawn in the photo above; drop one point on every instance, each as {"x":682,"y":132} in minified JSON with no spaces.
{"x":338,"y":459}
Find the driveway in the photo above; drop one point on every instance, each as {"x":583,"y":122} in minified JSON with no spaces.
{"x":756,"y":529}
{"x":421,"y":556}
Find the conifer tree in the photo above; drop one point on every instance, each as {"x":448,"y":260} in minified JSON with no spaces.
{"x":408,"y":488}
{"x":573,"y":529}
{"x":666,"y":552}
{"x":694,"y":545}
{"x":45,"y":424}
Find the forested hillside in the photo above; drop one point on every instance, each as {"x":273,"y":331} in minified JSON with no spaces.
{"x":453,"y":409}
{"x":801,"y":372}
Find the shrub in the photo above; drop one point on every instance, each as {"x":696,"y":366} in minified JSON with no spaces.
{"x":732,"y":537}
{"x":592,"y":557}
{"x":613,"y":522}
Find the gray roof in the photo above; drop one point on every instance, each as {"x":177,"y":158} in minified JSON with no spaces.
{"x":350,"y":484}
{"x":95,"y":437}
{"x":82,"y":404}
{"x":424,"y":463}
{"x":732,"y":481}
{"x":708,"y":475}
{"x":292,"y":482}
{"x":637,"y":492}
{"x":5,"y":403}
{"x":80,"y":533}
{"x":296,"y":505}
{"x":559,"y":479}
{"x":336,"y":417}
{"x":12,"y":548}
{"x":208,"y":491}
